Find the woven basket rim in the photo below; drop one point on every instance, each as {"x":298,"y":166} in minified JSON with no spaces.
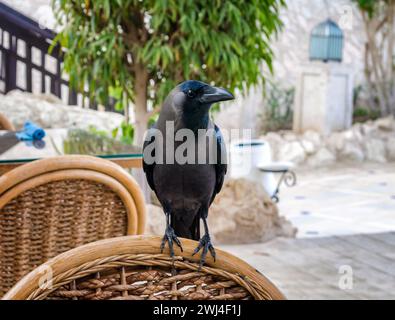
{"x":159,"y":260}
{"x":127,"y":250}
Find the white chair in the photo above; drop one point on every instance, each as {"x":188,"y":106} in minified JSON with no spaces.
{"x":252,"y":160}
{"x":287,"y":175}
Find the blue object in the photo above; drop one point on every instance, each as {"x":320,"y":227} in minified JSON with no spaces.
{"x":38,"y":144}
{"x":31,"y":132}
{"x":326,"y":42}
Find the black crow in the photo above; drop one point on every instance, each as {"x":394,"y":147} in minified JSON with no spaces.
{"x":186,"y":167}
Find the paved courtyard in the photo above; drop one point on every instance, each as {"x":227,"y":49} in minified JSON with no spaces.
{"x":346,"y":222}
{"x":311,"y":268}
{"x":342,"y":200}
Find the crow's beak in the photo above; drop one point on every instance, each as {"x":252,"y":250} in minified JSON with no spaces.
{"x":215,"y":94}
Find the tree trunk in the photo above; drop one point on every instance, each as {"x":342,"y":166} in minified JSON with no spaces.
{"x":368,"y":76}
{"x":141,"y":117}
{"x":140,"y":104}
{"x":376,"y":68}
{"x":391,"y":55}
{"x":125,"y":108}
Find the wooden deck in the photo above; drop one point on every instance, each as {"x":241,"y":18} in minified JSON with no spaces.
{"x":310,"y":268}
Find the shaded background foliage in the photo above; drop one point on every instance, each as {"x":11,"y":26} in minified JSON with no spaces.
{"x":278,"y":107}
{"x":379,"y":20}
{"x":138,"y":50}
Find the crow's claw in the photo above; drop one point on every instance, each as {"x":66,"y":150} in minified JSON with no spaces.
{"x":170,"y":237}
{"x":205,"y":243}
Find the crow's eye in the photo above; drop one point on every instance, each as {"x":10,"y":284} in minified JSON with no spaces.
{"x":191,"y":93}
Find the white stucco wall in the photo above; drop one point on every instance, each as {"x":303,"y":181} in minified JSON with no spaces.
{"x":291,"y":49}
{"x":291,"y":53}
{"x":39,"y":10}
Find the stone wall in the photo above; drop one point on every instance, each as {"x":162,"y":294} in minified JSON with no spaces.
{"x":50,"y":112}
{"x":370,"y":141}
{"x":291,"y":49}
{"x":291,"y":53}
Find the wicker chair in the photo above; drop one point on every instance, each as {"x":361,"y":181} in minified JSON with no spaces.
{"x":132,"y":268}
{"x":52,"y":205}
{"x":5,"y":124}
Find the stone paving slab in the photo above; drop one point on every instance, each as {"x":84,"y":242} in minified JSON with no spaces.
{"x":341,"y":200}
{"x":309,"y":268}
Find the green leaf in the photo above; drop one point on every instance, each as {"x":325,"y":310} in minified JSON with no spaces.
{"x":112,"y":44}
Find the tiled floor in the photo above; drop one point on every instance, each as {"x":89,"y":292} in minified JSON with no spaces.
{"x":341,"y":200}
{"x":311,"y":268}
{"x":346,"y":219}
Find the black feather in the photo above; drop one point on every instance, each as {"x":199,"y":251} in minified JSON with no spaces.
{"x":186,"y":191}
{"x":149,"y":168}
{"x":221,"y":167}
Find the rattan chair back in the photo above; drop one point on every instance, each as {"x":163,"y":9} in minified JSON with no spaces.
{"x":52,"y":205}
{"x":6,"y":124}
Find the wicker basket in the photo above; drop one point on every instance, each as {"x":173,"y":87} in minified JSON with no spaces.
{"x":132,"y":268}
{"x":6,"y":124}
{"x":52,"y":205}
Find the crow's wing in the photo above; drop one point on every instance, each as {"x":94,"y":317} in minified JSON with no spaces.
{"x":221,"y":166}
{"x":149,"y":168}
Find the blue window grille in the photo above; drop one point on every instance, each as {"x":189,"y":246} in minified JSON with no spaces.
{"x":326,"y":42}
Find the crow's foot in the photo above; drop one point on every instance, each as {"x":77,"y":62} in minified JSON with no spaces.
{"x":205,"y":243}
{"x":170,"y":237}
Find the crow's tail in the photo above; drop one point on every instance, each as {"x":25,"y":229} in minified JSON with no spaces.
{"x":195,"y":228}
{"x":186,"y":230}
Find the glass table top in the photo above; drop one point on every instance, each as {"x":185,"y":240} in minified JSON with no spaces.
{"x":62,"y":142}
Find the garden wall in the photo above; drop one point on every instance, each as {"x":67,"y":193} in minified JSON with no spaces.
{"x":372,"y":141}
{"x":49,"y":112}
